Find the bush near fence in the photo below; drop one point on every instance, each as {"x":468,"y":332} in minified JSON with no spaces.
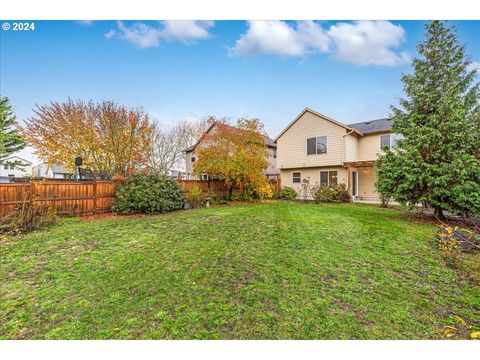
{"x":85,"y":197}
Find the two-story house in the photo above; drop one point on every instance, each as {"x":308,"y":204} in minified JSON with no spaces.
{"x":325,"y":151}
{"x":14,"y":167}
{"x":190,"y":156}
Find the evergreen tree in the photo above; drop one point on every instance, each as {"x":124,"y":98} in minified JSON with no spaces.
{"x":10,"y":140}
{"x":437,"y":163}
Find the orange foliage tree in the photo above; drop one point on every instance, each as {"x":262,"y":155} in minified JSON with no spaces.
{"x":112,"y":140}
{"x":238,"y":155}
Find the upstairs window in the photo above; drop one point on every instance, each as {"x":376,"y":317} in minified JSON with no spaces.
{"x":193,"y":159}
{"x":317,"y":145}
{"x":389,"y":141}
{"x":296,"y":177}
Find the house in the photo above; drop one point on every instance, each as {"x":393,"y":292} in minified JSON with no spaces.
{"x":325,"y":151}
{"x":54,"y":171}
{"x":14,"y":167}
{"x":190,"y":157}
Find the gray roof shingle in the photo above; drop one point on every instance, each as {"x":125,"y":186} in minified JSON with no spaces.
{"x":373,"y":126}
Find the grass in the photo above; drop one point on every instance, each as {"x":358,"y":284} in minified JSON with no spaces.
{"x":271,"y":271}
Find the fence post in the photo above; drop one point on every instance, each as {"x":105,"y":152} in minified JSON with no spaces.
{"x":95,"y":196}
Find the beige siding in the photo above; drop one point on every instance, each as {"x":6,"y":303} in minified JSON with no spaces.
{"x":272,"y":162}
{"x":313,"y":174}
{"x":351,"y":148}
{"x":189,"y":165}
{"x":369,"y":147}
{"x":292,"y":145}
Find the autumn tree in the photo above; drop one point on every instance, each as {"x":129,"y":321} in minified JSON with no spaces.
{"x":236,"y":154}
{"x":10,"y":139}
{"x":112,"y":139}
{"x":168,"y":145}
{"x":437,"y":163}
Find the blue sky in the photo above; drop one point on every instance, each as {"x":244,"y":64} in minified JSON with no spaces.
{"x":175,"y":70}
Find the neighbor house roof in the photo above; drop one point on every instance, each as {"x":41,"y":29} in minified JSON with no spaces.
{"x":320,"y":115}
{"x":59,"y":169}
{"x":268,"y":141}
{"x":373,"y":126}
{"x":16,"y":157}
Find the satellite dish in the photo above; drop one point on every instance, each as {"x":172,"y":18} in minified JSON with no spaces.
{"x":78,"y":161}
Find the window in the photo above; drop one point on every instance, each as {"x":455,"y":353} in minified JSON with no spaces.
{"x":193,"y":159}
{"x":317,"y":145}
{"x":204,"y":177}
{"x":296,"y":177}
{"x":328,"y":178}
{"x":389,"y":141}
{"x":332,"y":178}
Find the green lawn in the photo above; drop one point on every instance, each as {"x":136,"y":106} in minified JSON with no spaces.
{"x":271,"y":271}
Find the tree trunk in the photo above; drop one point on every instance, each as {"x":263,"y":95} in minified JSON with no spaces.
{"x":438,"y":212}
{"x":229,"y":193}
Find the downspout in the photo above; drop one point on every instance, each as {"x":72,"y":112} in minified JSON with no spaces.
{"x":344,"y":158}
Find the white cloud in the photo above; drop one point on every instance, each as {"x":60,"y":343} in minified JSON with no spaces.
{"x":86,"y":22}
{"x":140,"y":34}
{"x":361,"y":42}
{"x":369,"y":43}
{"x":279,"y":38}
{"x":186,"y":30}
{"x":110,"y":34}
{"x":144,"y":36}
{"x":474,"y":65}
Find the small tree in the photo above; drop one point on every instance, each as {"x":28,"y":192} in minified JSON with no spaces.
{"x":168,"y":146}
{"x":437,"y":163}
{"x":111,"y":139}
{"x":10,"y":139}
{"x":237,"y":154}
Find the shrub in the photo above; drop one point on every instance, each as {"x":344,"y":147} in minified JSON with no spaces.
{"x":251,"y":192}
{"x":27,"y":218}
{"x":332,"y":194}
{"x":287,"y":193}
{"x":148,"y":194}
{"x":196,"y":197}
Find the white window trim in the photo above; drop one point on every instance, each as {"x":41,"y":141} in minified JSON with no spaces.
{"x":391,"y":140}
{"x":317,"y":136}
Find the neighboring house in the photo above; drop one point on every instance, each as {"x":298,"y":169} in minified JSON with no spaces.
{"x":54,"y":171}
{"x":190,"y":157}
{"x":14,"y":167}
{"x":325,"y":151}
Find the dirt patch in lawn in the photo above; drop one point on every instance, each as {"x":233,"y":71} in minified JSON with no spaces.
{"x":111,"y":216}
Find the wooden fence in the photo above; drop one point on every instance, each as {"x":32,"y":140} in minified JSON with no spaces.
{"x":216,"y":187}
{"x":80,"y":198}
{"x":75,"y":198}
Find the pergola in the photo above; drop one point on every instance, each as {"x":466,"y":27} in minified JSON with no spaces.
{"x":351,"y":164}
{"x":356,"y":164}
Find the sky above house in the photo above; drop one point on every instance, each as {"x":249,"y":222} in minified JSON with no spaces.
{"x":177,"y":70}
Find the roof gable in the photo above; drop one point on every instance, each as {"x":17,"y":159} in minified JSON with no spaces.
{"x":319,"y":115}
{"x":16,"y":157}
